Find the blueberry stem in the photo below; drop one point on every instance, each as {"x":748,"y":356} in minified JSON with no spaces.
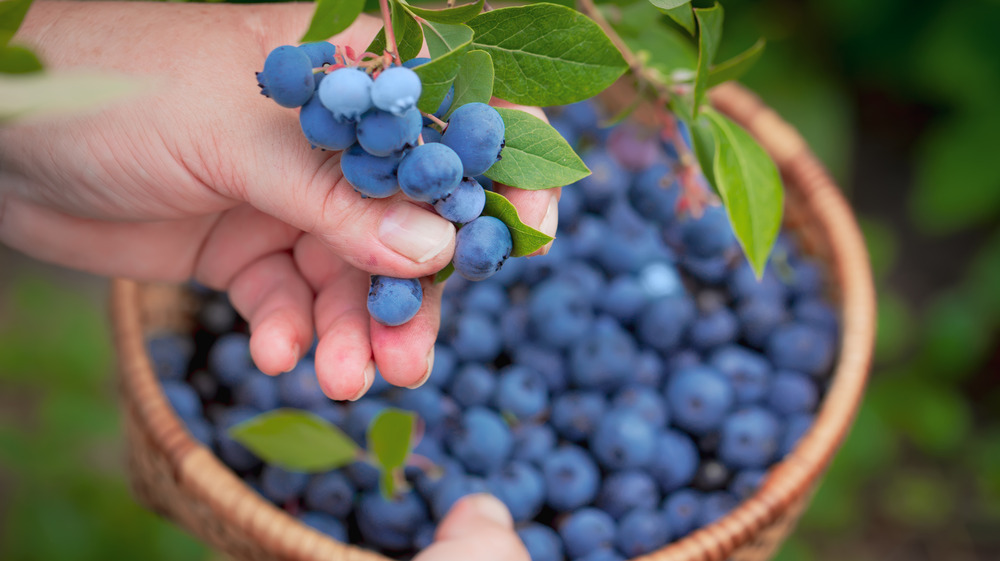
{"x":435,"y":120}
{"x":390,"y":35}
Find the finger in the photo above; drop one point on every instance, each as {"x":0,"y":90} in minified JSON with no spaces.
{"x":277,"y":303}
{"x":344,"y":364}
{"x":478,"y":527}
{"x":538,"y":209}
{"x":405,"y":353}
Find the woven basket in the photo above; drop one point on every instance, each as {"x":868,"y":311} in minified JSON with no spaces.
{"x":175,"y":476}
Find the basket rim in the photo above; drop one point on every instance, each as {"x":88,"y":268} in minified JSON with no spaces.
{"x":198,"y":470}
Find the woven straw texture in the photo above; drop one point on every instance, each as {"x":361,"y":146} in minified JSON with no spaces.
{"x":175,"y":476}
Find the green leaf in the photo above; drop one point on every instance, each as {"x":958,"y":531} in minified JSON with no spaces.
{"x":535,"y":156}
{"x":458,"y":14}
{"x":409,"y":35}
{"x":474,"y":82}
{"x":737,"y":66}
{"x":15,"y":59}
{"x":750,"y":187}
{"x":296,"y":440}
{"x":389,"y":437}
{"x":683,"y":16}
{"x":12,"y":13}
{"x":527,"y":240}
{"x":709,"y":33}
{"x":669,"y":4}
{"x":447,"y":44}
{"x":544,"y":54}
{"x":443,"y":274}
{"x":387,"y":484}
{"x":331,"y":17}
{"x":41,"y":94}
{"x":703,"y":140}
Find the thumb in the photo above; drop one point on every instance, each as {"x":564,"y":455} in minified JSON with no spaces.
{"x":478,"y":527}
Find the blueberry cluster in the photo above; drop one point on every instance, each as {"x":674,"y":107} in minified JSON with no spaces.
{"x":629,"y":387}
{"x":389,"y":147}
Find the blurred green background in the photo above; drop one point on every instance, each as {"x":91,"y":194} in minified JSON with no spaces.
{"x":899,"y":98}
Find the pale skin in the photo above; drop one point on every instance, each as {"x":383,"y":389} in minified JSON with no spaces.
{"x":203,"y":178}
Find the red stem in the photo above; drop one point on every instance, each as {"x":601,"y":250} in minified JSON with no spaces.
{"x":390,"y":35}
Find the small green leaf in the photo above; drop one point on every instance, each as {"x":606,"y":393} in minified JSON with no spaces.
{"x":458,"y":14}
{"x":709,"y":33}
{"x":750,"y":187}
{"x":669,"y":4}
{"x":331,"y":17}
{"x":447,"y":44}
{"x":527,"y":240}
{"x":737,"y":66}
{"x":296,"y":440}
{"x":703,"y":140}
{"x":683,"y":16}
{"x":387,"y":484}
{"x":12,"y":13}
{"x":41,"y":94}
{"x":389,"y":436}
{"x":15,"y":59}
{"x":535,"y":156}
{"x":409,"y":35}
{"x":474,"y":82}
{"x":443,"y":274}
{"x":544,"y":54}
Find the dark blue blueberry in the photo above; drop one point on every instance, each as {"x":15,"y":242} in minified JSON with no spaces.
{"x":604,"y":358}
{"x":623,"y":440}
{"x":570,"y":207}
{"x":571,"y":478}
{"x":229,"y":358}
{"x":708,"y":270}
{"x":649,"y":369}
{"x":521,"y":392}
{"x":232,"y":453}
{"x":715,"y":506}
{"x":746,"y":482}
{"x":743,"y":284}
{"x":482,"y":441}
{"x":699,"y":398}
{"x":332,"y":493}
{"x":533,"y":442}
{"x":623,"y":299}
{"x":750,"y":438}
{"x":322,"y":130}
{"x":259,"y":391}
{"x":655,"y":193}
{"x":792,"y":392}
{"x":587,"y":529}
{"x":521,"y":488}
{"x":608,"y":180}
{"x":364,"y":476}
{"x":319,"y":53}
{"x":547,"y":362}
{"x":560,"y":312}
{"x":169,"y":355}
{"x":287,"y":77}
{"x":425,"y":401}
{"x":326,"y":524}
{"x":801,"y":347}
{"x":183,"y":399}
{"x":464,"y":204}
{"x":487,"y":297}
{"x":280,"y":485}
{"x":481,"y":248}
{"x":713,"y":329}
{"x":815,"y":311}
{"x":360,"y":415}
{"x":445,"y":364}
{"x":473,"y":385}
{"x":390,"y":524}
{"x":748,"y":372}
{"x":575,"y":414}
{"x":624,"y":491}
{"x":453,"y":488}
{"x":642,"y":531}
{"x":201,"y":431}
{"x":393,"y":301}
{"x":429,"y":172}
{"x":476,"y":133}
{"x":674,"y":461}
{"x":795,"y":428}
{"x":331,"y":412}
{"x":299,"y":388}
{"x":709,"y":235}
{"x":758,"y":319}
{"x":645,"y":402}
{"x":542,"y":542}
{"x":372,"y":176}
{"x":806,"y":279}
{"x":663,"y":324}
{"x":682,"y":509}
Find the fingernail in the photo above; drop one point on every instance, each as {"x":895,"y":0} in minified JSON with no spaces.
{"x":550,"y":222}
{"x":491,"y":508}
{"x":369,"y":374}
{"x":295,"y":357}
{"x":427,"y":375}
{"x":414,"y":232}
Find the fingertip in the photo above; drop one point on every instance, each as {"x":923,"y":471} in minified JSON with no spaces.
{"x":274,"y":345}
{"x":404,"y":353}
{"x":344,"y":358}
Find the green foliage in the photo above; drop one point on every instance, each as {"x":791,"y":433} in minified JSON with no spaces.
{"x":737,"y":66}
{"x":564,"y":54}
{"x":527,"y":240}
{"x":296,"y":440}
{"x":458,"y":14}
{"x":447,"y":44}
{"x":474,"y":82}
{"x":12,"y":13}
{"x":535,"y":156}
{"x":389,"y":437}
{"x":709,"y":35}
{"x":331,"y":17}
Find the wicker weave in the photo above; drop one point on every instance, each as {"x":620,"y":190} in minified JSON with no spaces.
{"x":178,"y":478}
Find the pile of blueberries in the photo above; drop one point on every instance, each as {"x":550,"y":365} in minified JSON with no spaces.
{"x":631,"y":386}
{"x":389,"y":147}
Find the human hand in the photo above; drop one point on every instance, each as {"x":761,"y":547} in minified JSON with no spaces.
{"x":204,"y":178}
{"x":479,"y":528}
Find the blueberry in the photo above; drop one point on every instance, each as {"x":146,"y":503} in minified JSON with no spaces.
{"x":231,"y":452}
{"x":332,"y":493}
{"x":682,"y":509}
{"x":642,"y":531}
{"x":229,"y":358}
{"x":326,"y":524}
{"x":481,"y":247}
{"x":655,"y":193}
{"x":514,"y":320}
{"x":346,"y":92}
{"x":393,"y":301}
{"x":604,"y":358}
{"x":445,"y":363}
{"x":299,"y":388}
{"x":575,"y":414}
{"x":623,"y":440}
{"x":452,"y":488}
{"x":571,"y":478}
{"x":649,"y":369}
{"x":287,"y":77}
{"x":660,"y":279}
{"x":183,"y":399}
{"x":382,"y":133}
{"x":603,"y":554}
{"x":580,"y":274}
{"x":542,"y":542}
{"x":623,"y":299}
{"x":430,"y":134}
{"x":482,"y":441}
{"x":280,"y":485}
{"x":795,"y":429}
{"x":743,"y":284}
{"x":169,"y":355}
{"x":818,"y":313}
{"x":627,"y":490}
{"x":259,"y":391}
{"x":645,"y":402}
{"x":583,"y":115}
{"x":473,"y":385}
{"x":372,"y":176}
{"x":424,"y":536}
{"x":750,"y":438}
{"x":319,"y":53}
{"x":801,"y":347}
{"x":708,"y":270}
{"x":533,"y":442}
{"x":475,"y":131}
{"x":807,"y":279}
{"x":675,"y":460}
{"x":476,"y":337}
{"x":748,"y":372}
{"x":200,"y":430}
{"x":521,"y":392}
{"x":390,"y":524}
{"x":588,"y":236}
{"x":570,"y":207}
{"x":608,"y":179}
{"x":425,"y":401}
{"x":430,"y":172}
{"x":587,"y":529}
{"x":360,"y":416}
{"x":488,"y":297}
{"x":364,"y":476}
{"x":758,"y":319}
{"x":333,"y":413}
{"x":565,"y":129}
{"x":396,"y":90}
{"x":699,"y":398}
{"x":464,"y":204}
{"x":520,"y":486}
{"x":322,"y":130}
{"x":792,"y":392}
{"x":710,"y":235}
{"x":715,"y":506}
{"x":663,"y":324}
{"x":746,"y":482}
